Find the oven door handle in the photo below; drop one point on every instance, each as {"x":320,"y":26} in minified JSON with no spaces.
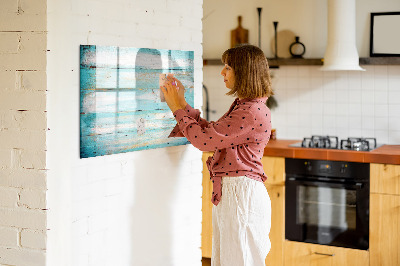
{"x":357,"y":185}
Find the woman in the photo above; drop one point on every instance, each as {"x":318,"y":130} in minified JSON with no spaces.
{"x":242,"y":208}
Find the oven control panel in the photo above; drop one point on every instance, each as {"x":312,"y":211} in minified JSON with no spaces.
{"x":337,"y":169}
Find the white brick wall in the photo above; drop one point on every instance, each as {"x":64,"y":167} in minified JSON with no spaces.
{"x":138,"y":208}
{"x":22,"y":132}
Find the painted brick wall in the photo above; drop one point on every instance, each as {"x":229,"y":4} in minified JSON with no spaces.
{"x":23,"y":132}
{"x":138,"y":208}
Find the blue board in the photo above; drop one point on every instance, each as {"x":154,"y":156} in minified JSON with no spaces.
{"x":120,"y":106}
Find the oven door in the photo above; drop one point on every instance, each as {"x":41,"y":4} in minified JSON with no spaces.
{"x":327,"y":213}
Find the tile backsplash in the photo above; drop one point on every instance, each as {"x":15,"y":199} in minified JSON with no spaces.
{"x":339,"y":103}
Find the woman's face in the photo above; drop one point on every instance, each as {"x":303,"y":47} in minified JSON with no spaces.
{"x":229,"y":76}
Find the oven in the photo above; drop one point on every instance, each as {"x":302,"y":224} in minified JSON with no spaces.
{"x":327,"y":202}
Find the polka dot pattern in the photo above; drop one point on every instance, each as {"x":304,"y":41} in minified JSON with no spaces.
{"x":238,"y":139}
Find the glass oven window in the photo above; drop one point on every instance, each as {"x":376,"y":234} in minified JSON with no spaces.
{"x":326,"y":207}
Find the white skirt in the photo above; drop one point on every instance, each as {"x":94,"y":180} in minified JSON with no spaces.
{"x":241,"y":223}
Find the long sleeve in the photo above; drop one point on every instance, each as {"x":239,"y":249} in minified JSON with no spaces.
{"x":193,"y":113}
{"x":229,"y":131}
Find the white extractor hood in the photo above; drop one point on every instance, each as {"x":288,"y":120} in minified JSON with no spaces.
{"x":341,"y":51}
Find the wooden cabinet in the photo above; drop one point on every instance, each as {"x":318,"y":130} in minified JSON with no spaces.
{"x":385,"y":178}
{"x":385,"y":215}
{"x":277,"y":233}
{"x":206,"y":226}
{"x":274,"y":168}
{"x":304,"y":254}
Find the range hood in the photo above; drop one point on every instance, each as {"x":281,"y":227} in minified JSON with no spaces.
{"x":341,"y":51}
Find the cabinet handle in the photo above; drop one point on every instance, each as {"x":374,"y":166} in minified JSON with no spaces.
{"x":324,"y":254}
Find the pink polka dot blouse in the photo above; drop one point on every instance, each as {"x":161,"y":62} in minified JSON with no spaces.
{"x":238,"y":139}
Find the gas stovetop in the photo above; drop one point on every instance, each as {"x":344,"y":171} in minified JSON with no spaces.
{"x":332,"y":142}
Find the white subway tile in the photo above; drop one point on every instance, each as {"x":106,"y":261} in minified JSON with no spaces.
{"x":342,"y":109}
{"x":328,"y":74}
{"x":394,"y":110}
{"x":355,"y":96}
{"x":355,"y":109}
{"x":394,"y":123}
{"x":367,"y":133}
{"x":342,"y":122}
{"x":303,"y":82}
{"x":354,"y":82}
{"x":355,"y":122}
{"x":292,"y":83}
{"x":382,"y":136}
{"x":394,"y":137}
{"x":394,"y":83}
{"x":355,"y":132}
{"x":382,"y":123}
{"x":367,"y":96}
{"x":329,"y":94}
{"x":329,"y":109}
{"x":342,"y":97}
{"x":291,"y":71}
{"x":380,"y":71}
{"x":381,"y":110}
{"x":368,"y":110}
{"x":329,"y":123}
{"x":368,"y":123}
{"x":394,"y":97}
{"x":381,"y":97}
{"x":304,"y":72}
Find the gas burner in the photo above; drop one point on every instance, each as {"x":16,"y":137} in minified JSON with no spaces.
{"x":358,"y":144}
{"x":327,"y":142}
{"x":332,"y":142}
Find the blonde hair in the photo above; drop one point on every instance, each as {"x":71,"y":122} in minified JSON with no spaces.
{"x":250,"y":66}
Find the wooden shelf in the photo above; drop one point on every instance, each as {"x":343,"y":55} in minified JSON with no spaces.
{"x":380,"y":61}
{"x":274,"y":63}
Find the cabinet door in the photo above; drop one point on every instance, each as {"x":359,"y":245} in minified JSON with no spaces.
{"x":384,"y":230}
{"x":274,"y":168}
{"x":277,"y":233}
{"x":206,"y":225}
{"x":385,"y":178}
{"x":304,"y":254}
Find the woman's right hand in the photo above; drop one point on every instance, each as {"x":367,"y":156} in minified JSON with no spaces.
{"x":181,"y":91}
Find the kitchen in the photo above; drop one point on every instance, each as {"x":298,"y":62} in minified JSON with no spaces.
{"x":313,"y":104}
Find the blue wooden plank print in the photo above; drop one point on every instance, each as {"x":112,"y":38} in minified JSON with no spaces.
{"x":120,"y":105}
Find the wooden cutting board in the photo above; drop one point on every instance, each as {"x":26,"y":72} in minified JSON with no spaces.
{"x":239,"y":35}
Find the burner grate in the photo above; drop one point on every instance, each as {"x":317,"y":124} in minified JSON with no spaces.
{"x":327,"y":142}
{"x":358,"y":144}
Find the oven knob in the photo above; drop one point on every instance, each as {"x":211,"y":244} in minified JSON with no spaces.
{"x":308,"y":166}
{"x":343,"y":168}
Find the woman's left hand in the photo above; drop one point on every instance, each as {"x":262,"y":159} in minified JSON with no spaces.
{"x":172,"y":98}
